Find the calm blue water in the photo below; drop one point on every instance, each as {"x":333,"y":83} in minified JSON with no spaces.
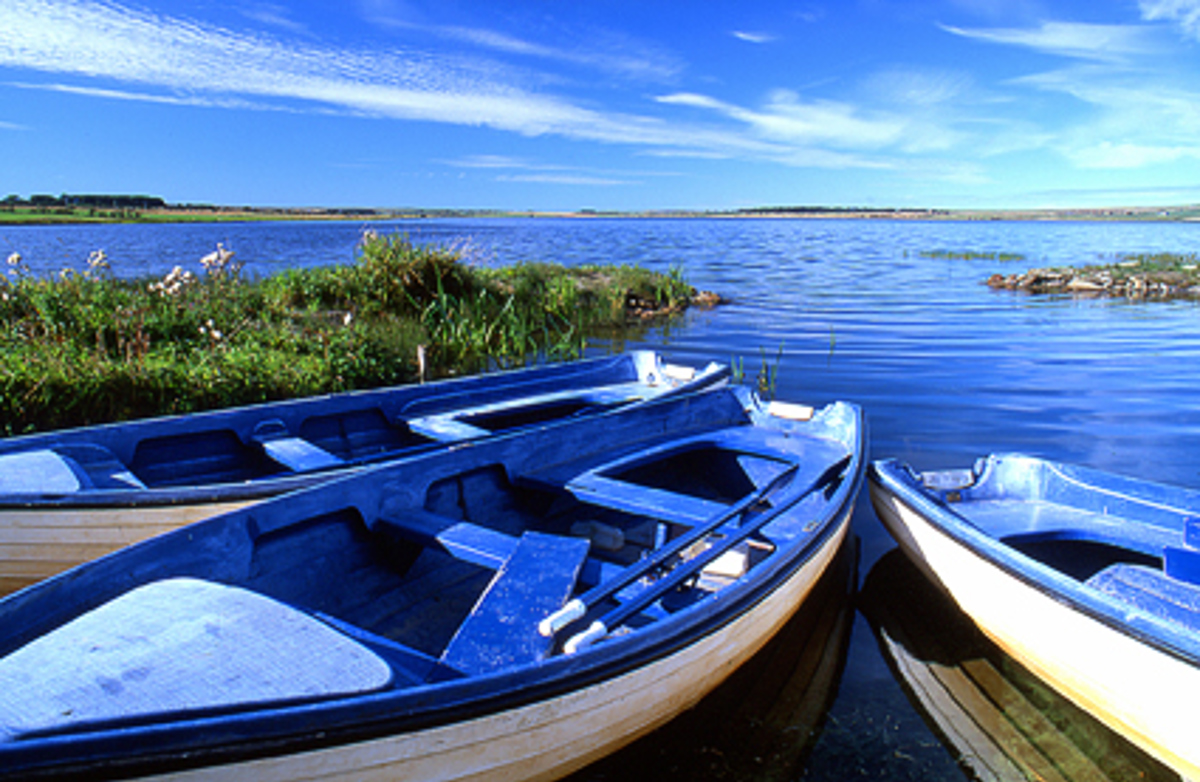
{"x":946,"y":368}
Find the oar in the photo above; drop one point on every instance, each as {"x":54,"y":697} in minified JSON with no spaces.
{"x":677,"y":576}
{"x":578,"y":607}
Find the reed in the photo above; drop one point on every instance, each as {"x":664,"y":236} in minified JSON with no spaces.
{"x":87,"y":346}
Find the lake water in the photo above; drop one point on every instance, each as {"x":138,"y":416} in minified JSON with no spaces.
{"x":946,"y":368}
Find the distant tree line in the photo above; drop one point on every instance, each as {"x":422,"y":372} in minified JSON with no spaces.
{"x":89,"y":201}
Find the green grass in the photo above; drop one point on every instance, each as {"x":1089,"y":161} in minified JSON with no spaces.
{"x":86,"y":346}
{"x":971,"y":255}
{"x":62,"y":215}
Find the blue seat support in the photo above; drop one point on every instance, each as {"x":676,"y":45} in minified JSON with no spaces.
{"x":502,"y":628}
{"x":1151,"y":591}
{"x":299,"y":454}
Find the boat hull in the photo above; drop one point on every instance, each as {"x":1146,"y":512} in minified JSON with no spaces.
{"x":550,"y":739}
{"x":37,"y":544}
{"x":45,"y":531}
{"x":1140,"y":691}
{"x":992,"y":714}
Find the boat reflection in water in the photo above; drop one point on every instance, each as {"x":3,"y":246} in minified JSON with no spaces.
{"x":762,"y":722}
{"x":1001,"y":721}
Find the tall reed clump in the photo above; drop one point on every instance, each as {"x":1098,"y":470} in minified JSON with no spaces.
{"x":86,"y":347}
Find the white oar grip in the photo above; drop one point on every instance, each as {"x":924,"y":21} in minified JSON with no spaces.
{"x":586,"y":638}
{"x":575,"y":609}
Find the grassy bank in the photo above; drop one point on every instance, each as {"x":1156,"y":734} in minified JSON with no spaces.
{"x":86,"y":346}
{"x":59,"y":215}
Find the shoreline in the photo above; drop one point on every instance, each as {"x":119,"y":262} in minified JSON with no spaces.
{"x":174,"y":215}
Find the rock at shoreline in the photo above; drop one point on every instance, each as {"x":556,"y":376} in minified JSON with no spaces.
{"x":1123,"y":283}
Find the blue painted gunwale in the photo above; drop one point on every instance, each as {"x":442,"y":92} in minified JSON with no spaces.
{"x":1144,"y":513}
{"x":217,"y":547}
{"x":637,"y":374}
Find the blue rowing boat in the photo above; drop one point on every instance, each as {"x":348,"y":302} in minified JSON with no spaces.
{"x":510,"y":609}
{"x":1088,"y":579}
{"x":70,"y":496}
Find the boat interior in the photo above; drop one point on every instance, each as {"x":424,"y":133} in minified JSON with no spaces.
{"x":238,"y":449}
{"x":1099,"y":530}
{"x":434,"y":580}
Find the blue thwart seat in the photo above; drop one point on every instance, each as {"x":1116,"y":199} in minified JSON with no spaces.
{"x":299,"y":454}
{"x":502,"y":629}
{"x":1150,"y":590}
{"x":177,"y":645}
{"x":294,"y":453}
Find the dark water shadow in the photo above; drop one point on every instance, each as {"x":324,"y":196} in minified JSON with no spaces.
{"x":761,"y":722}
{"x":998,"y":719}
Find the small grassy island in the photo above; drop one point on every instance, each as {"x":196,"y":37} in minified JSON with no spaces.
{"x":87,"y":346}
{"x":1133,"y":276}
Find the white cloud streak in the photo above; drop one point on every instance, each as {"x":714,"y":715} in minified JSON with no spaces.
{"x":1133,"y":114}
{"x":1103,"y":42}
{"x":180,"y":61}
{"x":1185,"y":13}
{"x":183,"y":62}
{"x":752,"y":37}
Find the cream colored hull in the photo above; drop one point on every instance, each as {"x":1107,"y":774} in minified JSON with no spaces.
{"x":1138,"y":691}
{"x":37,"y":544}
{"x":550,"y":739}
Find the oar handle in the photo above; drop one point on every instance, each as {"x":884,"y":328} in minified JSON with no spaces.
{"x":588,"y":637}
{"x":575,"y":609}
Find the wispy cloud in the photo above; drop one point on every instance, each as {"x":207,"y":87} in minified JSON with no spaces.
{"x":1105,"y":42}
{"x":752,"y":37}
{"x":149,"y":97}
{"x":273,"y":15}
{"x":521,"y":170}
{"x":1116,"y":155}
{"x":564,"y":179}
{"x":1126,"y":113}
{"x":11,"y":126}
{"x":179,"y":60}
{"x":598,"y":49}
{"x":1185,"y":13}
{"x":786,"y":118}
{"x":170,"y":60}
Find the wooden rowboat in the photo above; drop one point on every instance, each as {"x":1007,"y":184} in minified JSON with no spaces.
{"x":1090,"y":580}
{"x":511,"y":608}
{"x":996,"y":718}
{"x":70,"y":496}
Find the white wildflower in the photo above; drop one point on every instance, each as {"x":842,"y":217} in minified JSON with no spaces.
{"x":14,"y":259}
{"x":98,"y":259}
{"x":173,"y":283}
{"x":218,"y":261}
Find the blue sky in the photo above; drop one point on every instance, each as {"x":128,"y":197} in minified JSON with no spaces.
{"x":605,"y":105}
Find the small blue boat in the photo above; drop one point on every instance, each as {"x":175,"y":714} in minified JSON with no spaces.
{"x":1088,"y":579}
{"x":994,"y":716}
{"x":509,"y":609}
{"x":142,"y":478}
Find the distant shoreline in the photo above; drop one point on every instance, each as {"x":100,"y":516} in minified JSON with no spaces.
{"x":10,"y":216}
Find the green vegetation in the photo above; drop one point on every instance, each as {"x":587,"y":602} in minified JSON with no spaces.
{"x":971,"y":255}
{"x":1133,"y":263}
{"x":85,"y":347}
{"x":768,"y":373}
{"x":51,"y":215}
